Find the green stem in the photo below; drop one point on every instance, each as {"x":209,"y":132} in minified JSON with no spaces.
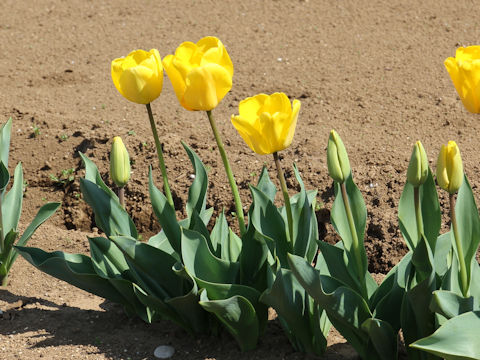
{"x":228,"y":170}
{"x":418,"y":212}
{"x":355,"y":242}
{"x":458,"y":243}
{"x":121,"y":196}
{"x":283,"y":185}
{"x":161,"y":162}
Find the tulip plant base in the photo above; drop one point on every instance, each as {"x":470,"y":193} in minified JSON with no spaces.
{"x":372,"y":70}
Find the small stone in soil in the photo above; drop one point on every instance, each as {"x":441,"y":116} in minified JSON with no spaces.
{"x":164,"y":352}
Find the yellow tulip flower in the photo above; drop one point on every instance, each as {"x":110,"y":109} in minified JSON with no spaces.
{"x":201,"y":73}
{"x":464,"y":70}
{"x":267,"y":122}
{"x":450,"y":168}
{"x":139,"y":76}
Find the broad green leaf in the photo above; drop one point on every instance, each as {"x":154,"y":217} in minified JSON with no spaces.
{"x":340,"y":222}
{"x":92,"y":174}
{"x":238,"y":316}
{"x":151,"y":268}
{"x":165,"y":215}
{"x":448,"y":304}
{"x":345,"y":308}
{"x":197,"y":224}
{"x":12,"y":204}
{"x":253,"y":260}
{"x":7,"y":253}
{"x":266,"y":185}
{"x":267,"y":220}
{"x":300,"y":315}
{"x":468,"y":223}
{"x":430,"y":209}
{"x":197,"y":193}
{"x":5,"y":132}
{"x":76,"y":269}
{"x":219,"y":234}
{"x":107,"y":258}
{"x":382,"y":337}
{"x":441,"y":255}
{"x":457,"y":339}
{"x":4,"y":177}
{"x":110,"y":216}
{"x":232,"y":247}
{"x":202,"y":264}
{"x":43,"y":214}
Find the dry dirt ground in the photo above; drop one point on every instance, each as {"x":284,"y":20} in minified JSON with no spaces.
{"x":371,"y":69}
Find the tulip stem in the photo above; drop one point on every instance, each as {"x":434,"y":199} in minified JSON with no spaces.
{"x":2,"y":234}
{"x":355,"y":242}
{"x":458,"y":244}
{"x":418,"y":211}
{"x":283,"y":185}
{"x":121,"y":196}
{"x":160,"y":156}
{"x":228,"y":170}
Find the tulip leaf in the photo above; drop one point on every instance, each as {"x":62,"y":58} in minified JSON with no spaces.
{"x":6,"y":254}
{"x":382,"y":337}
{"x":110,"y":216}
{"x":340,"y":222}
{"x":202,"y":264}
{"x":430,"y":208}
{"x":43,"y":214}
{"x":107,"y":258}
{"x":12,"y":204}
{"x":253,"y":260}
{"x":449,"y":304}
{"x":4,"y":177}
{"x":345,"y":308}
{"x":441,"y":254}
{"x":456,"y":339}
{"x":232,"y":247}
{"x":197,"y":193}
{"x":304,"y":322}
{"x":266,"y":185}
{"x":165,"y":215}
{"x":468,"y":223}
{"x":238,"y":316}
{"x":268,"y":221}
{"x":219,"y":234}
{"x":197,"y":224}
{"x":150,"y":267}
{"x":92,"y":174}
{"x":76,"y":269}
{"x":5,"y":132}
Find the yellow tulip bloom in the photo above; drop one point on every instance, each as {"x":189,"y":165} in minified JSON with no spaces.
{"x":464,"y":70}
{"x":450,"y":168}
{"x":267,"y":122}
{"x":139,"y":76}
{"x":201,"y":73}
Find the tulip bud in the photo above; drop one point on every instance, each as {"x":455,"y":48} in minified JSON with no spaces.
{"x":337,"y":158}
{"x":119,"y":162}
{"x":450,"y":168}
{"x":418,"y":168}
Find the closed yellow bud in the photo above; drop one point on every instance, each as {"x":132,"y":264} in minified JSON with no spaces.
{"x":119,"y":162}
{"x":418,"y":168}
{"x":450,"y":168}
{"x":464,"y":70}
{"x":267,"y":122}
{"x":337,"y":158}
{"x":138,"y":76}
{"x":201,"y":74}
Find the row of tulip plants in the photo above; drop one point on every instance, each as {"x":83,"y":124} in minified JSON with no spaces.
{"x":208,"y":277}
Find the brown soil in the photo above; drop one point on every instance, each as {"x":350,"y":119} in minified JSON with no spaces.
{"x":373,"y":70}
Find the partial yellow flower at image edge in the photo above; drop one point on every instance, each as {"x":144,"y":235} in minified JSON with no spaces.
{"x":464,"y":70}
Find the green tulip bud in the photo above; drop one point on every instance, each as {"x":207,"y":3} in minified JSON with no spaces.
{"x":119,"y":163}
{"x":337,"y":158}
{"x":418,"y":168}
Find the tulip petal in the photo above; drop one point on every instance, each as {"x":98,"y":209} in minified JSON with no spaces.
{"x":469,"y":71}
{"x":250,"y":134}
{"x":178,"y":82}
{"x":250,"y":108}
{"x":454,"y":167}
{"x":442,"y":175}
{"x":290,"y":129}
{"x":206,"y":86}
{"x":214,"y":52}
